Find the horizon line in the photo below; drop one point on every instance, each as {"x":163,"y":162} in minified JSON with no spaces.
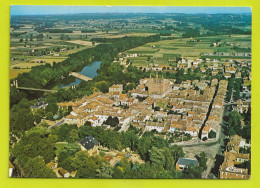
{"x":38,"y":10}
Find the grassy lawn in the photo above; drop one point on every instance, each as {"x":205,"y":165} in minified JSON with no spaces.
{"x":60,"y":146}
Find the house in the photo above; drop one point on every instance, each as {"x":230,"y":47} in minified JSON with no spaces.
{"x":158,"y":126}
{"x":236,"y":142}
{"x":214,"y":72}
{"x":116,"y":88}
{"x":94,"y":121}
{"x":195,"y":63}
{"x":184,"y":163}
{"x":64,"y":173}
{"x":227,"y":75}
{"x":38,"y":105}
{"x":90,"y":144}
{"x":193,"y":131}
{"x":11,"y":169}
{"x":174,"y":127}
{"x":78,"y":119}
{"x":52,"y":165}
{"x":228,"y":170}
{"x":206,"y":130}
{"x":243,"y":144}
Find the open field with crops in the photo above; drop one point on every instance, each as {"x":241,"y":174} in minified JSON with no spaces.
{"x":15,"y":72}
{"x":163,"y":51}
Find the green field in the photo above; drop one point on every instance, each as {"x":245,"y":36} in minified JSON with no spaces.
{"x":169,"y":49}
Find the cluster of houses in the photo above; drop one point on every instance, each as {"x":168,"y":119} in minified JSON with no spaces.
{"x":228,"y":67}
{"x":242,"y":106}
{"x":164,"y":106}
{"x":192,"y":105}
{"x":215,"y":116}
{"x":227,"y":54}
{"x":233,"y":158}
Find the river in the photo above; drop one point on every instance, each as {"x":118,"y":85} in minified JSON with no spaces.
{"x":89,"y":71}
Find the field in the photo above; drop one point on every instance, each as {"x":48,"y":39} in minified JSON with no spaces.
{"x":29,"y":46}
{"x":15,"y":72}
{"x":81,"y":42}
{"x":23,"y":58}
{"x":163,"y":51}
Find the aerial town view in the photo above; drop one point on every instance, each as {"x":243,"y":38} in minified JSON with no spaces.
{"x":126,"y":92}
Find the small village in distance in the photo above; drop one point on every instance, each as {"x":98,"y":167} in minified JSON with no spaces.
{"x":144,"y":112}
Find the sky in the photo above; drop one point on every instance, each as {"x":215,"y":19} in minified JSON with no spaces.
{"x":44,"y":10}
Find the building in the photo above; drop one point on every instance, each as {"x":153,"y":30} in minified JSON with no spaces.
{"x":78,"y":119}
{"x":156,"y":87}
{"x":184,"y":163}
{"x":116,"y":88}
{"x":90,"y":144}
{"x":64,"y":173}
{"x":158,"y":126}
{"x":11,"y":169}
{"x":39,"y":105}
{"x":228,"y":170}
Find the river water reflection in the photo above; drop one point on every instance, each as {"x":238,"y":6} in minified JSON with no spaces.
{"x":89,"y":71}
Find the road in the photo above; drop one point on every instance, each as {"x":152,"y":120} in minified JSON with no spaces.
{"x":57,"y":124}
{"x":35,"y":89}
{"x":124,"y":128}
{"x":211,"y":148}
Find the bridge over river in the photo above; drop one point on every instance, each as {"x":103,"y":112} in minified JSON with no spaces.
{"x":80,"y":76}
{"x":35,"y":89}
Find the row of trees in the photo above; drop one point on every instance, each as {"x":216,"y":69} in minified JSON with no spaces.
{"x":235,"y":126}
{"x":234,"y":85}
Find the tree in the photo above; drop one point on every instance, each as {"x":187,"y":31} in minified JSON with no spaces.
{"x":202,"y":159}
{"x":52,"y":107}
{"x":146,"y":171}
{"x":117,"y":172}
{"x":177,"y":152}
{"x":157,"y":157}
{"x":164,"y":174}
{"x":231,"y":131}
{"x":73,"y":136}
{"x":86,"y":166}
{"x":36,"y":168}
{"x":102,"y":86}
{"x":112,"y":121}
{"x":65,"y":135}
{"x":169,"y":159}
{"x":212,"y":134}
{"x":235,"y":123}
{"x":159,"y":142}
{"x":234,"y":119}
{"x":193,"y":172}
{"x":125,"y":164}
{"x":143,"y":146}
{"x":37,"y":142}
{"x":49,"y":115}
{"x":105,"y":171}
{"x":21,"y":120}
{"x":66,"y":155}
{"x":130,"y":139}
{"x":157,"y":108}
